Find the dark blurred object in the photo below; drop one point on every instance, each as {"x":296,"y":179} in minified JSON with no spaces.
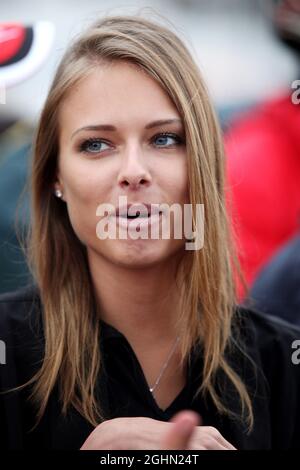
{"x":286,"y":21}
{"x":276,"y":290}
{"x":23,"y":49}
{"x":15,"y":143}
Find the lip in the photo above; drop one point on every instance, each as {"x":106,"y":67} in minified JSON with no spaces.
{"x":141,"y":222}
{"x":138,"y":208}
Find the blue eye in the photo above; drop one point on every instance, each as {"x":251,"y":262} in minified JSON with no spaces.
{"x":92,"y":146}
{"x":163,"y":137}
{"x":95,"y":145}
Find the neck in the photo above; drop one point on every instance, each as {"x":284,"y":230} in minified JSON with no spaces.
{"x":141,"y":303}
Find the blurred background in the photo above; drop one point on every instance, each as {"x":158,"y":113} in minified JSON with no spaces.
{"x":241,"y":58}
{"x":248,"y":52}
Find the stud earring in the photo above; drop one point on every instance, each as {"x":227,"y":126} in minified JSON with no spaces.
{"x":58,"y":193}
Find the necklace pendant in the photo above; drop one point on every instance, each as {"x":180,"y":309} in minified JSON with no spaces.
{"x":151,"y":389}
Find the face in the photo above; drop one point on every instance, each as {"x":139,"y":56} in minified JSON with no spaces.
{"x":110,"y":146}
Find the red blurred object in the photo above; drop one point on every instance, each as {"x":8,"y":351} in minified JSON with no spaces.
{"x":263,"y":166}
{"x":12,"y":37}
{"x":23,"y":49}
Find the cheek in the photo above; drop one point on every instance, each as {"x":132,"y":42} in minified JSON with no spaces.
{"x":86,"y":182}
{"x":175,"y":181}
{"x":84,"y":188}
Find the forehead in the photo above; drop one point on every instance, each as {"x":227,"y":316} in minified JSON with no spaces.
{"x":119,"y":93}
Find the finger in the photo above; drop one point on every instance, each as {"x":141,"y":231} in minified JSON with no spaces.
{"x":230,"y":446}
{"x":211,"y":438}
{"x":217,"y":436}
{"x":181,"y":430}
{"x":213,"y":444}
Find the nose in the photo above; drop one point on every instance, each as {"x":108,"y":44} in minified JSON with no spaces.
{"x":134,"y":173}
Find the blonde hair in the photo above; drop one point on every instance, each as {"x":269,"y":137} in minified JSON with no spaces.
{"x":58,"y":260}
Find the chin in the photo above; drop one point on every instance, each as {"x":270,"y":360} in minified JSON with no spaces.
{"x":142,"y":253}
{"x":138,"y":253}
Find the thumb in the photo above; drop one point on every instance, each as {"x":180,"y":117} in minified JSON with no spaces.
{"x":180,"y":433}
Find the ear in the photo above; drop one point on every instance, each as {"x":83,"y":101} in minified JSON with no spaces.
{"x":58,"y":189}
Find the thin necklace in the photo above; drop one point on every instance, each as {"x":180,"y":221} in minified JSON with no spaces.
{"x":164,"y":366}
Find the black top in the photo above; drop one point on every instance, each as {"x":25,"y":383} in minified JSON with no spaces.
{"x":122,"y":388}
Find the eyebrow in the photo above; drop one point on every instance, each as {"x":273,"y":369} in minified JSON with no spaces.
{"x":111,"y":128}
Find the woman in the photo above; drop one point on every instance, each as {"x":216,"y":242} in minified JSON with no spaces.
{"x":119,"y":335}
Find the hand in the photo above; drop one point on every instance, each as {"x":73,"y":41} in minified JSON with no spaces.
{"x":126,"y":434}
{"x":187,"y":432}
{"x":184,"y":431}
{"x":180,"y":433}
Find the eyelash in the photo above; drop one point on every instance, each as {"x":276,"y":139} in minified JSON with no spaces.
{"x":84,"y":144}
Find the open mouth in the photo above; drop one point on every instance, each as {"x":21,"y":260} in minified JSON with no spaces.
{"x":139,"y":215}
{"x":139,"y":220}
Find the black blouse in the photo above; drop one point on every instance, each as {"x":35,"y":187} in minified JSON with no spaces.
{"x":274,"y":385}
